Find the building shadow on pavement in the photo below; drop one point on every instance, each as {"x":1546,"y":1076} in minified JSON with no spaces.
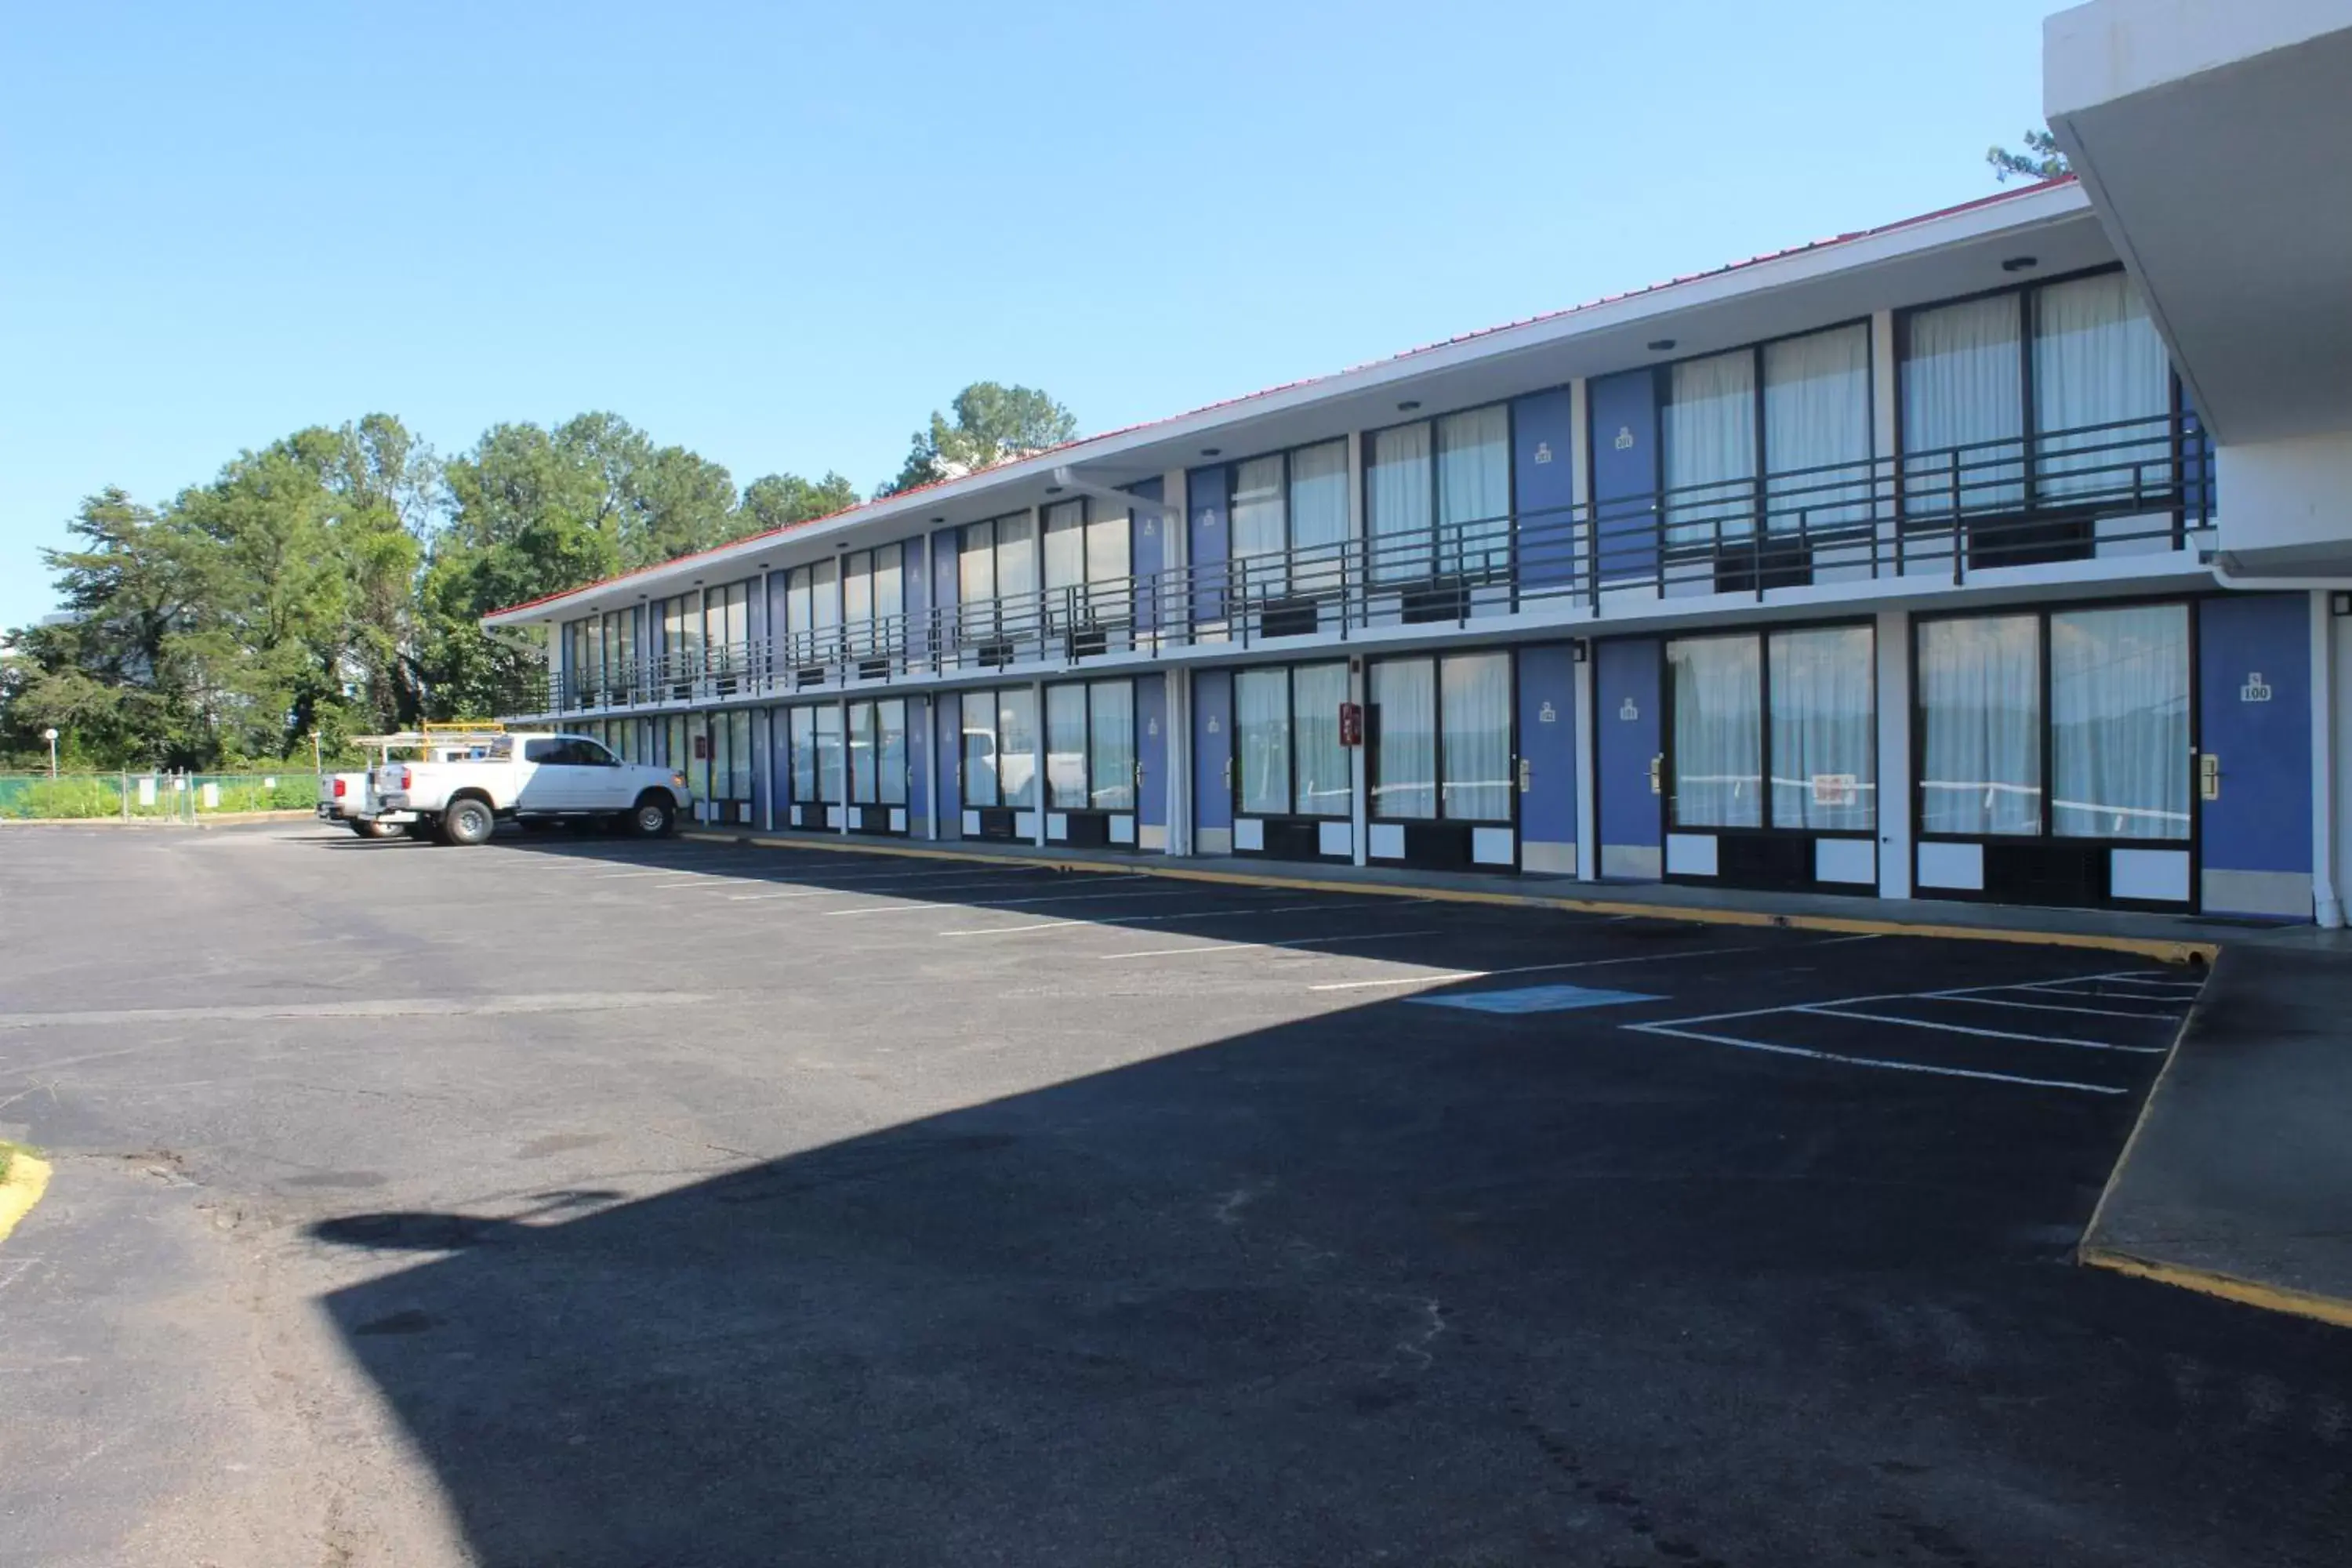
{"x":1361,"y":1289}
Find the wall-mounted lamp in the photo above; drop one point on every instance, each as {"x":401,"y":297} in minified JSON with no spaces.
{"x":1580,"y":650}
{"x":2340,"y":603}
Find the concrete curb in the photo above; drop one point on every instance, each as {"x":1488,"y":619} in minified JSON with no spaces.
{"x":2228,"y":1287}
{"x":26,"y":1180}
{"x":2159,"y":949}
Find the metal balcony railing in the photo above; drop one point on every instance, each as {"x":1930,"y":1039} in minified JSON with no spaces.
{"x":2131,"y":487}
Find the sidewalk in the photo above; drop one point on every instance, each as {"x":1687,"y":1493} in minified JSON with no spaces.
{"x":2237,"y":1181}
{"x":2176,"y":939}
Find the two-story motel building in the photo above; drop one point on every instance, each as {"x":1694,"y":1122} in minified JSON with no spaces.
{"x":1908,"y":564}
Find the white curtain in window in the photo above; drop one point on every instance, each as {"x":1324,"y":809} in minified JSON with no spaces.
{"x":862,"y":748}
{"x":1016,"y":739}
{"x":825,"y":595}
{"x":2098,"y":362}
{"x":980,"y":749}
{"x":889,"y":588}
{"x":857,"y":587}
{"x":1824,"y":735}
{"x":1476,"y":705}
{"x":1817,"y":429}
{"x":1319,"y":516}
{"x":1708,"y":434}
{"x":890,"y":722}
{"x":738,"y":756}
{"x":2119,"y":761}
{"x":1980,"y":725}
{"x":802,"y":727}
{"x":1262,"y":734}
{"x":1404,"y":762}
{"x":1323,"y":787}
{"x":1258,"y":530}
{"x":1963,"y":409}
{"x":1397,"y":501}
{"x":1016,"y":557}
{"x":1474,"y":490}
{"x":1718,"y":732}
{"x":1065,"y":747}
{"x":1111,"y":763}
{"x":1109,"y":550}
{"x":828,"y":753}
{"x":1066,"y":544}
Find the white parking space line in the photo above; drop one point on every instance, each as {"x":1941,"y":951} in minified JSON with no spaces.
{"x":913,"y":902}
{"x":1828,"y":1010}
{"x":1266,"y":946}
{"x":2039,"y":1006}
{"x":1747,"y":1045}
{"x":1182,"y":915}
{"x":1010,"y":931}
{"x":1440,"y":979}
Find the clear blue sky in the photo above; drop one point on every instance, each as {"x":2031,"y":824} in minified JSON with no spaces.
{"x":780,"y":235}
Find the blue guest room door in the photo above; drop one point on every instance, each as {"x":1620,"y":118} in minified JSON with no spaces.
{"x":1626,"y":726}
{"x":1546,"y":780}
{"x":2253,"y":782}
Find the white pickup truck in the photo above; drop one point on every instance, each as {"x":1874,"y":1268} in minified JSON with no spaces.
{"x":531,"y":776}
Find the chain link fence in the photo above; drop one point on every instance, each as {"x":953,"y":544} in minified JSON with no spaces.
{"x":152,"y":797}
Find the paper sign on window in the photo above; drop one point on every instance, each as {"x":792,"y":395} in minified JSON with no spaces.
{"x":1835,"y":789}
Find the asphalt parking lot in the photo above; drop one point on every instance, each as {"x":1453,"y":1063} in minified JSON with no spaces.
{"x":585,"y":1201}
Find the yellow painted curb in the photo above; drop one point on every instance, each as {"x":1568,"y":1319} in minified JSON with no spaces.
{"x":26,"y":1180}
{"x":2158,"y":948}
{"x":2229,"y":1287}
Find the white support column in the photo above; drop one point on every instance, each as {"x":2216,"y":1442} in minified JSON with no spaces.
{"x":1042,"y":785}
{"x":1588,"y":772}
{"x":1895,"y":793}
{"x":764,"y":728}
{"x":1884,"y":439}
{"x":841,"y":706}
{"x":2330,"y":769}
{"x":929,"y":705}
{"x":1178,"y":750}
{"x":1359,"y":805}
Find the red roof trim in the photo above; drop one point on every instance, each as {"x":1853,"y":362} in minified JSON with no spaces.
{"x":1852,"y":236}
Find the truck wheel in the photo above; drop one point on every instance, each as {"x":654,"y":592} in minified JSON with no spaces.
{"x":467,"y":821}
{"x":653,"y":816}
{"x":368,"y":829}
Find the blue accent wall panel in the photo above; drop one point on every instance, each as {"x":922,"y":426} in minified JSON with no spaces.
{"x":1151,"y":749}
{"x":947,"y":734}
{"x":1625,"y":413}
{"x":1626,"y":735}
{"x":1149,"y":542}
{"x":915,"y":589}
{"x":1205,"y":491}
{"x":2253,"y":655}
{"x":1548,"y":743}
{"x":1543,"y":487}
{"x":1213,"y":748}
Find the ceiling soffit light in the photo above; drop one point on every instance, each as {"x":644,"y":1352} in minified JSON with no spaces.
{"x":2020,"y":263}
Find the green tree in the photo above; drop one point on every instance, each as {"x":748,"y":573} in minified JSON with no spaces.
{"x":114,"y":673}
{"x":2042,"y":159}
{"x":779,"y":500}
{"x":992,"y":424}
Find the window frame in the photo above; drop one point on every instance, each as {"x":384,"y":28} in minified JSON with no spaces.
{"x":1762,"y":635}
{"x":1368,"y":533}
{"x":2177,"y":413}
{"x":1291,"y":812}
{"x":2045,"y":736}
{"x":1436,"y":657}
{"x":1089,"y":785}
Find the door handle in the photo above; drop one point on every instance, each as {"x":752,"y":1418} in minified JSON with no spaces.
{"x":1658,"y":774}
{"x":2208,"y":776}
{"x":1229,"y":773}
{"x":1527,"y":775}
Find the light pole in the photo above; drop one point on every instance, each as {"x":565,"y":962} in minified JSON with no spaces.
{"x":50,"y":735}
